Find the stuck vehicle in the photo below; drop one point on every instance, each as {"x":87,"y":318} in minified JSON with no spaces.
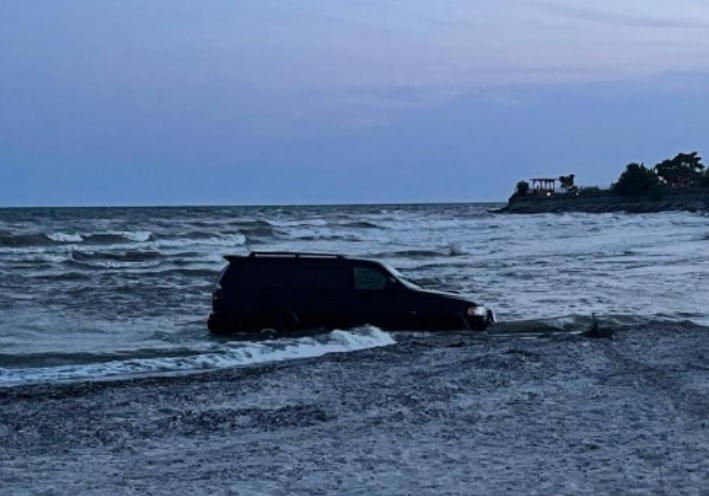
{"x":282,"y":293}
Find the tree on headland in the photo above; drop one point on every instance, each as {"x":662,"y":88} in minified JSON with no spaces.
{"x":636,"y":180}
{"x":567,"y":182}
{"x":522,"y":188}
{"x":682,"y":171}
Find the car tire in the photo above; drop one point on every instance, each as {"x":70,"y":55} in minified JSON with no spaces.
{"x":268,"y":334}
{"x":278,"y":322}
{"x":441,"y":322}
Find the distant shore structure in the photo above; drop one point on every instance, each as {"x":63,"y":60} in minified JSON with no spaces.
{"x":543,"y":185}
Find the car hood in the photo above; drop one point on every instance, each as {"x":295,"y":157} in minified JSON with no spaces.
{"x":446,"y":295}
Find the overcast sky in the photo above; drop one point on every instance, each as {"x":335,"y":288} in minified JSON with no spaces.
{"x":320,"y":101}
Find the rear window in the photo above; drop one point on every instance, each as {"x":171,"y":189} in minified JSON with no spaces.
{"x":285,"y":274}
{"x":320,"y":276}
{"x":256,"y":275}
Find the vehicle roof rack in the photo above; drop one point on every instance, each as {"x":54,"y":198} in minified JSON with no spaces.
{"x":285,"y":254}
{"x":294,"y":254}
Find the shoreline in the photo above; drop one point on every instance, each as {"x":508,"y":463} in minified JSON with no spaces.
{"x":606,"y":202}
{"x":431,"y":414}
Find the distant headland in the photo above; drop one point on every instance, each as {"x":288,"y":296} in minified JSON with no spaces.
{"x":677,"y":184}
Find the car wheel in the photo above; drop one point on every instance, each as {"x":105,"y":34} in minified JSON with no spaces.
{"x":268,"y":334}
{"x":276,"y":322}
{"x":441,"y":322}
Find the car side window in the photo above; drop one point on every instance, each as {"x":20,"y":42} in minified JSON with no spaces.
{"x":369,"y":279}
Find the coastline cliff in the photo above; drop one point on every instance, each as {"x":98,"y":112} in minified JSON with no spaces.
{"x":677,"y":184}
{"x":605,"y":201}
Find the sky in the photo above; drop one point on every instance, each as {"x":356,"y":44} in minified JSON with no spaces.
{"x":357,"y":101}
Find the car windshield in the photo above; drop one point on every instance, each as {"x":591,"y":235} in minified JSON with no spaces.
{"x":401,"y":278}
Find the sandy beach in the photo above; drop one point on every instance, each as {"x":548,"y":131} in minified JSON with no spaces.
{"x":436,"y":414}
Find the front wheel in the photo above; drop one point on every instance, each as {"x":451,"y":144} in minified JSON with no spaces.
{"x":268,"y":334}
{"x":271,"y":324}
{"x":441,"y":322}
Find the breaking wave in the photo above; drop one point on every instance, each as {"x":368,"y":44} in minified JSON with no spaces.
{"x":256,"y":234}
{"x":360,"y":225}
{"x":448,"y":251}
{"x":227,"y":240}
{"x":11,"y":240}
{"x":329,"y":237}
{"x":65,"y":238}
{"x":127,"y":256}
{"x":229,"y":355}
{"x":19,"y":240}
{"x":120,"y":237}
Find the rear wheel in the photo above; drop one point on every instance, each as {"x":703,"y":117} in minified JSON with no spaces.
{"x":220,"y":326}
{"x":271,"y":325}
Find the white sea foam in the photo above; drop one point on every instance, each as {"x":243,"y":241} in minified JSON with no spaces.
{"x":42,"y":258}
{"x":226,"y":241}
{"x":137,"y":236}
{"x":299,"y":223}
{"x":65,"y":238}
{"x":116,"y":264}
{"x":230,"y":355}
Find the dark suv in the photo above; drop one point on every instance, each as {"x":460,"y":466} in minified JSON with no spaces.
{"x":283,"y":292}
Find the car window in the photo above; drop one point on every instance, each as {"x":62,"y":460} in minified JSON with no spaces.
{"x":401,"y":277}
{"x":260,"y":274}
{"x":369,"y":278}
{"x":326,"y":276}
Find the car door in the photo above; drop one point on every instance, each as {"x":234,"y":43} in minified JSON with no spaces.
{"x":378,"y":299}
{"x":318,"y":290}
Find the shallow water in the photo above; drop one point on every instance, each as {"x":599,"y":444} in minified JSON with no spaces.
{"x":108,"y":292}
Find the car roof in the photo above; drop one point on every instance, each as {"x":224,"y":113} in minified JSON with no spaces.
{"x":292,"y":255}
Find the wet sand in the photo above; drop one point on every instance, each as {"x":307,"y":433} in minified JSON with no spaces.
{"x":436,"y":414}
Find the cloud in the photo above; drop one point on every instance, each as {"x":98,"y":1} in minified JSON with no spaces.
{"x":623,"y":19}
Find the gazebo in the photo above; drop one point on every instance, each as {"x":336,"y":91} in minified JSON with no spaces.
{"x":543,"y":185}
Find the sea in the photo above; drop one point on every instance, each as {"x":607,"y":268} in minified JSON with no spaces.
{"x":92,"y":294}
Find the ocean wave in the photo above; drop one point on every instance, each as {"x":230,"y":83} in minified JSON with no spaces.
{"x":226,"y":240}
{"x":198,"y":235}
{"x":328,"y":237}
{"x":71,"y":276}
{"x":250,"y":224}
{"x":317,"y":222}
{"x":191,"y":272}
{"x":65,"y":238}
{"x":52,"y":359}
{"x":120,"y":237}
{"x":257,"y":234}
{"x":245,"y":235}
{"x":10,"y":240}
{"x":360,"y":225}
{"x":219,"y":224}
{"x":448,"y":251}
{"x":115,"y":260}
{"x":41,"y":258}
{"x":127,"y":256}
{"x":229,"y":355}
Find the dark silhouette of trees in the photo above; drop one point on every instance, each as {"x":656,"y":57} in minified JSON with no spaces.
{"x":567,"y":182}
{"x":636,"y":180}
{"x":683,"y":171}
{"x":522,"y":188}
